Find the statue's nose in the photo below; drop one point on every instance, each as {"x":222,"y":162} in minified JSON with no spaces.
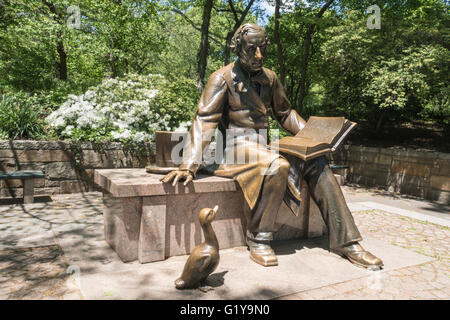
{"x":258,"y":54}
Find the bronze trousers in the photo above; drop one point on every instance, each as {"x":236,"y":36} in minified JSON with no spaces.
{"x":324,"y":190}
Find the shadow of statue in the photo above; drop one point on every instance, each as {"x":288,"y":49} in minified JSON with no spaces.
{"x":216,"y":280}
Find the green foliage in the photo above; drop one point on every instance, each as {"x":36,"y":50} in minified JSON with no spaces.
{"x":179,"y":98}
{"x":293,"y":28}
{"x":20,"y":117}
{"x":398,"y":73}
{"x":128,"y":109}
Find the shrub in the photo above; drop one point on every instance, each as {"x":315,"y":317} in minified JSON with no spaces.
{"x":128,"y":110}
{"x":20,"y":117}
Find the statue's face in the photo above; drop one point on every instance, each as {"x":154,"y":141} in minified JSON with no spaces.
{"x":253,"y":50}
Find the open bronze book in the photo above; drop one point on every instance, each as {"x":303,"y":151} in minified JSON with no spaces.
{"x":320,"y":136}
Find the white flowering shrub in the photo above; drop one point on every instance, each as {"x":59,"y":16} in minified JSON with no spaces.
{"x":130,"y":109}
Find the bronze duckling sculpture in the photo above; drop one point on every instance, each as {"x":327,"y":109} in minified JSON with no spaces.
{"x":204,"y":258}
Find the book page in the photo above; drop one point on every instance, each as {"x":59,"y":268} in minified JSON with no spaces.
{"x":302,"y":145}
{"x":322,"y":129}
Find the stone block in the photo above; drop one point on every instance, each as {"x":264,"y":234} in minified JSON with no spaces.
{"x":32,"y":166}
{"x":33,"y":145}
{"x":444,"y":156}
{"x":441,"y":168}
{"x":440,"y":183}
{"x":6,"y":153}
{"x":52,"y":183}
{"x":413,"y":185}
{"x":390,"y":151}
{"x":363,"y":149}
{"x":439,"y":196}
{"x":25,"y":156}
{"x":93,"y":159}
{"x":61,"y":170}
{"x":368,"y":173}
{"x":383,"y":159}
{"x":72,"y":187}
{"x":361,"y":157}
{"x":411,"y":168}
{"x":418,"y":155}
{"x":122,"y":219}
{"x":11,"y":183}
{"x":152,"y":238}
{"x":11,"y":192}
{"x":107,"y":159}
{"x":183,"y":230}
{"x":46,"y":191}
{"x":39,"y":183}
{"x":7,"y":164}
{"x":18,"y":183}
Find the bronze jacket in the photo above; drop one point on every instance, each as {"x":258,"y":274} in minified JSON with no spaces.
{"x":231,"y":100}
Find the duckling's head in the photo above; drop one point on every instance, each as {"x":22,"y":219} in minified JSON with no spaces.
{"x":180,"y":284}
{"x":207,"y":215}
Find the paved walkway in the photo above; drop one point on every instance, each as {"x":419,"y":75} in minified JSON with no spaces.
{"x":55,"y":250}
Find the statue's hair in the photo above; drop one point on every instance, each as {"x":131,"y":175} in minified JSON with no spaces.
{"x":241,"y":31}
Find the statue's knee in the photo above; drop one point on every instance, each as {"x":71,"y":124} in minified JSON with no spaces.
{"x":283,"y":167}
{"x":279,"y":167}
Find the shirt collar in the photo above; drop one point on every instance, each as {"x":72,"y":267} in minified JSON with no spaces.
{"x":240,"y":75}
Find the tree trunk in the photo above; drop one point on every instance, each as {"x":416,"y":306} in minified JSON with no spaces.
{"x":379,"y":124}
{"x":112,"y":60}
{"x":227,"y":53}
{"x":304,"y":68}
{"x":276,"y":35}
{"x":203,"y":51}
{"x":61,"y":63}
{"x":307,"y":47}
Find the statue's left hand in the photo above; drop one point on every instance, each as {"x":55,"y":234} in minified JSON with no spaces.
{"x":177,"y":175}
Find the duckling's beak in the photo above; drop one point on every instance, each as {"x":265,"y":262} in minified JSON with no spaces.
{"x":214,"y":211}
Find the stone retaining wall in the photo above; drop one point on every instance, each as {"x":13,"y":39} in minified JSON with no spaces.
{"x":418,"y":173}
{"x":68,"y":168}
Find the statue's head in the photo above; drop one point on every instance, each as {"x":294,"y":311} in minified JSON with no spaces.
{"x":249,"y":43}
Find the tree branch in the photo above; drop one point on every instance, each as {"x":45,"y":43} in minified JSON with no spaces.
{"x":276,"y":35}
{"x":181,"y":13}
{"x":233,"y":10}
{"x":305,"y":61}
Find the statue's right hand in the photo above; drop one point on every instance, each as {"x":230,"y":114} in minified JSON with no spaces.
{"x":178,"y":175}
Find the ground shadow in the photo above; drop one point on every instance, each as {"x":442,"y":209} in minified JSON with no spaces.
{"x":216,"y":280}
{"x":37,"y":199}
{"x":286,"y":247}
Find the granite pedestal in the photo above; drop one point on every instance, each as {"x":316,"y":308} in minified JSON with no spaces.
{"x":148,"y":221}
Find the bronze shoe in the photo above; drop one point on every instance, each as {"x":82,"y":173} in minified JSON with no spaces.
{"x":260,"y":250}
{"x":360,"y":257}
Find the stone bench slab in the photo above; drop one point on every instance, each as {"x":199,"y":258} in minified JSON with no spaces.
{"x":147,"y":220}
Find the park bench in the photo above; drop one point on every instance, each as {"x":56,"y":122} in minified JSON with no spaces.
{"x":27,"y":178}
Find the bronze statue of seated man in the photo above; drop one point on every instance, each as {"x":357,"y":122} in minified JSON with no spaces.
{"x":240,"y":96}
